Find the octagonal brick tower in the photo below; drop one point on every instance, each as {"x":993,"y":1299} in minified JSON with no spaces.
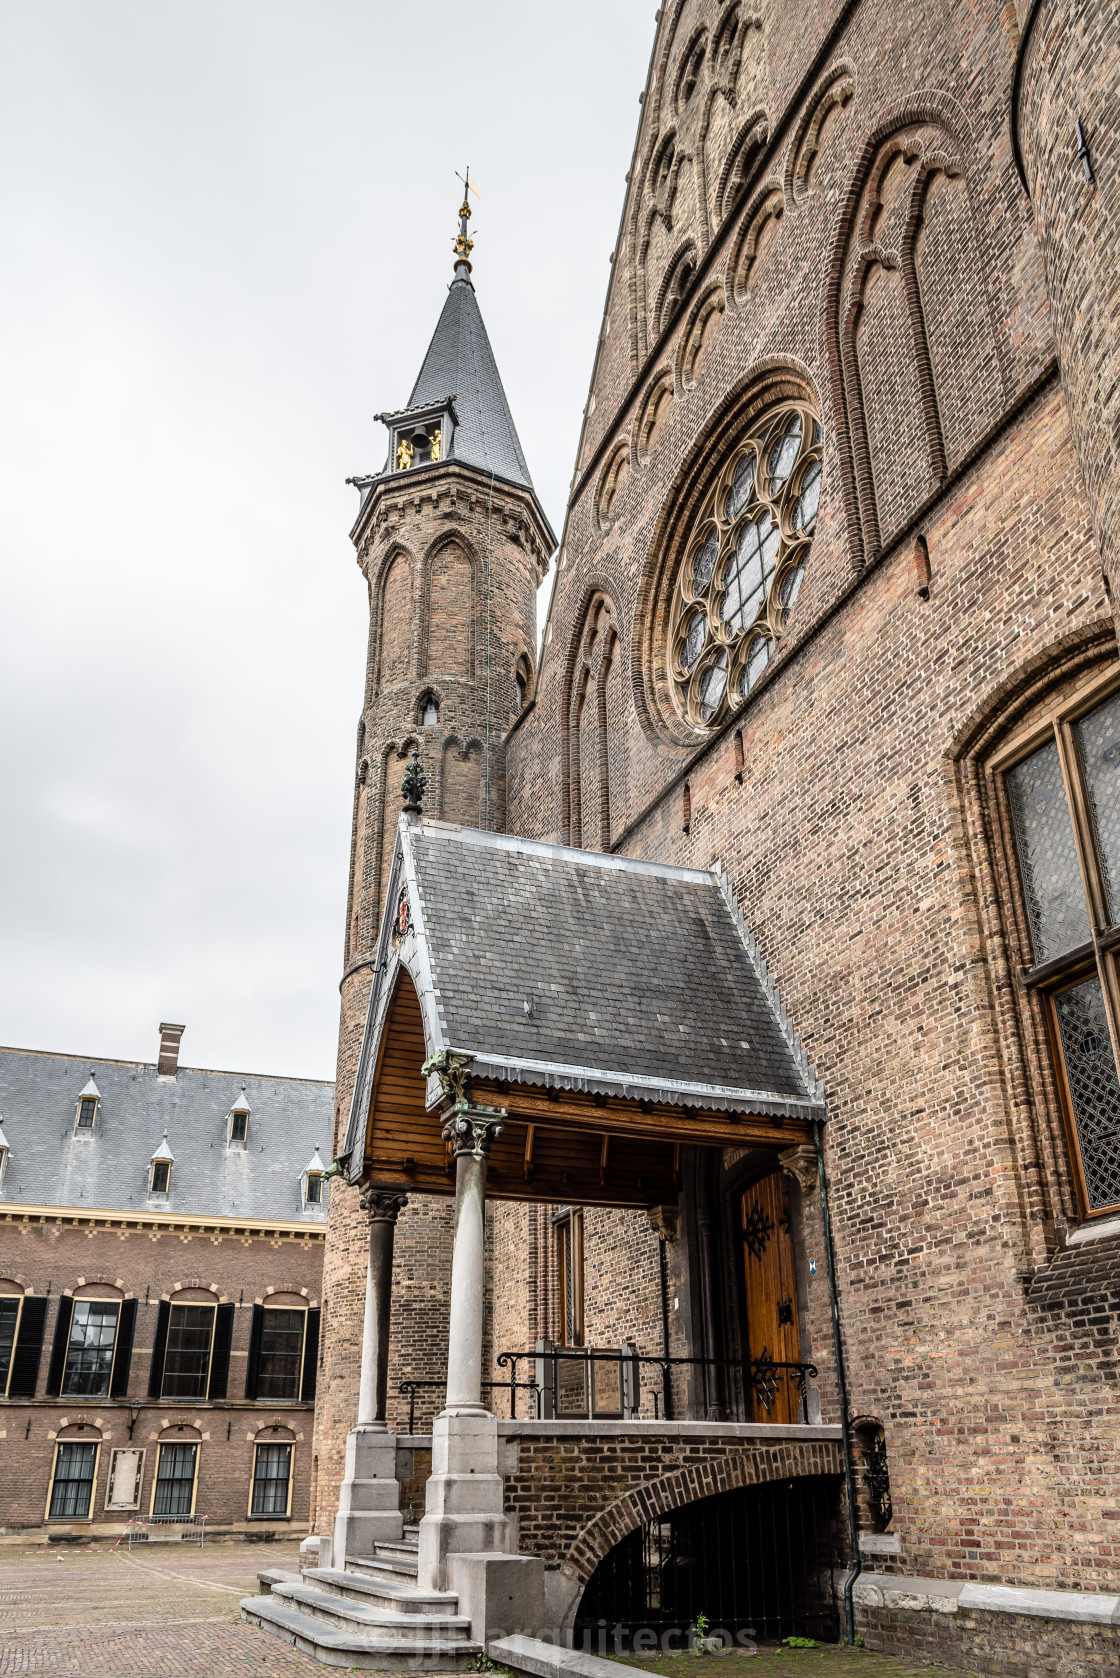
{"x":453,"y":544}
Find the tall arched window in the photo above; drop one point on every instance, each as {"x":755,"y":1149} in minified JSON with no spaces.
{"x":590,"y":704}
{"x":1058,"y":796}
{"x":744,"y":565}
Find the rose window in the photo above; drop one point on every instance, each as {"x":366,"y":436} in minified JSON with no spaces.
{"x":744,"y":566}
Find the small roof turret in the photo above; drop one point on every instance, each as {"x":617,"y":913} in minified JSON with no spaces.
{"x":163,"y":1152}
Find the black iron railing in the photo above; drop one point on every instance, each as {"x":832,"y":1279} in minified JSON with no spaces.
{"x":409,"y":1390}
{"x":585,"y":1381}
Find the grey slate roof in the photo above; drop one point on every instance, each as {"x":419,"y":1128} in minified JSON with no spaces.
{"x":642,"y":979}
{"x":460,"y":361}
{"x":51,"y":1164}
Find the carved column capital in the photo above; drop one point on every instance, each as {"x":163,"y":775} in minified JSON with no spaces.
{"x":801,"y":1163}
{"x":452,"y":1067}
{"x":665,"y":1220}
{"x":473,"y":1130}
{"x":382,"y":1206}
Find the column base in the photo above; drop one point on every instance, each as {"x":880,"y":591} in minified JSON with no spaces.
{"x":464,"y":1497}
{"x":370,"y":1495}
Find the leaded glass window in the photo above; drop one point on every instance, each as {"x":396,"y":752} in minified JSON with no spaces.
{"x":1063,"y":797}
{"x":744,"y":567}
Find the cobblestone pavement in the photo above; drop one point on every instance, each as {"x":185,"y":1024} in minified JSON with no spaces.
{"x":167,"y":1612}
{"x":175,"y":1613}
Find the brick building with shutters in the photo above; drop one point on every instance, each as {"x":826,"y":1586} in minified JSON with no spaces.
{"x":161,"y":1240}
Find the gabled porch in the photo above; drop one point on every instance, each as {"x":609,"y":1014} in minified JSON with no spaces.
{"x":552,"y":1026}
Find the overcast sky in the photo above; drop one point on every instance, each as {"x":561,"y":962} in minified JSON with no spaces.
{"x":226,"y":241}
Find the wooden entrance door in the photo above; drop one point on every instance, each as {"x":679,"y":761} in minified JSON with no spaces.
{"x":771,"y":1293}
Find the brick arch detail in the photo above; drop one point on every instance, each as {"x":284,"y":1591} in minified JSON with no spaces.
{"x":597,"y":587}
{"x":757,"y":1466}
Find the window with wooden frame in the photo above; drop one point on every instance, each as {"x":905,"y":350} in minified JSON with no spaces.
{"x":280,"y":1357}
{"x":90,"y":1347}
{"x":173,"y":1488}
{"x":271,"y":1493}
{"x":190,"y":1339}
{"x":11,"y":1306}
{"x":73,"y":1476}
{"x":1058,"y":787}
{"x":569,"y":1271}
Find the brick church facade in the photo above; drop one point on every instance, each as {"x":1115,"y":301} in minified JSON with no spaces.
{"x":832,"y":627}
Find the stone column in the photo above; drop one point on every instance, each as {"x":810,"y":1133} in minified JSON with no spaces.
{"x":369,"y":1497}
{"x":463,"y":1505}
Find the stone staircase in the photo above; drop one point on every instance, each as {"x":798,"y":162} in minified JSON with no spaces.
{"x":369,"y":1616}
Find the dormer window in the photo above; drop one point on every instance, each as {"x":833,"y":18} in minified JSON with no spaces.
{"x":238,"y":1119}
{"x":159,"y":1171}
{"x":314,"y":1175}
{"x":88,"y":1101}
{"x":3,"y":1154}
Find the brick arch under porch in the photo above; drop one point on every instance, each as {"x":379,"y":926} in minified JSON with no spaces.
{"x":577,"y":1489}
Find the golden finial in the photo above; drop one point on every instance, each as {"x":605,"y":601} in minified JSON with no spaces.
{"x":463,"y":245}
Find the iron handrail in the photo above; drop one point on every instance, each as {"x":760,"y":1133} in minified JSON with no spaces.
{"x":409,"y":1389}
{"x":762,"y":1375}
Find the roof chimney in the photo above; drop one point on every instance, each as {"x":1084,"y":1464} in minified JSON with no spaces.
{"x":169,"y":1036}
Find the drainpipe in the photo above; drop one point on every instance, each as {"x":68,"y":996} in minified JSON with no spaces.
{"x":667,"y":1383}
{"x":842,"y":1384}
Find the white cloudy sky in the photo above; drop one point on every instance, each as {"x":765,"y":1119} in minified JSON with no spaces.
{"x":226,"y":232}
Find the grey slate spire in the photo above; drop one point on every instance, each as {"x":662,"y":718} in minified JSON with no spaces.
{"x":460,"y":362}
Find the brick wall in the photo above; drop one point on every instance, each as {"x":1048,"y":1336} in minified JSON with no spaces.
{"x":56,"y":1256}
{"x":577,"y":1494}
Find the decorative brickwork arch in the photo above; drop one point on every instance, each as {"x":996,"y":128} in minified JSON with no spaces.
{"x":587,"y":722}
{"x":705,"y":1478}
{"x":395,"y":618}
{"x":699,"y":335}
{"x":833,"y":94}
{"x":739,"y":164}
{"x":759,"y":230}
{"x":916,"y":383}
{"x":653,"y":415}
{"x":450,"y":591}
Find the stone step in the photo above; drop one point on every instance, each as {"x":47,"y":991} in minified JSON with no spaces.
{"x":352,"y":1613}
{"x":401,"y":1548}
{"x":392,"y":1568}
{"x":351,"y":1649}
{"x":402,"y":1599}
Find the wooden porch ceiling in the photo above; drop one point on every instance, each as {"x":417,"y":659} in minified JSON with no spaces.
{"x":557,"y":1145}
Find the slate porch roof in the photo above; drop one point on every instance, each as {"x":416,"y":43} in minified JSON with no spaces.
{"x":52,"y":1164}
{"x":583,"y":971}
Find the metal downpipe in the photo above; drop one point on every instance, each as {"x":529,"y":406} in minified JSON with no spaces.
{"x":842,"y":1384}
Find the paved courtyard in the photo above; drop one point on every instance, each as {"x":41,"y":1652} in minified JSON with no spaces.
{"x":174,"y":1613}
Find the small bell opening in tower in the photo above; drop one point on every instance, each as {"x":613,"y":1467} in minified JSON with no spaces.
{"x":421,"y":446}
